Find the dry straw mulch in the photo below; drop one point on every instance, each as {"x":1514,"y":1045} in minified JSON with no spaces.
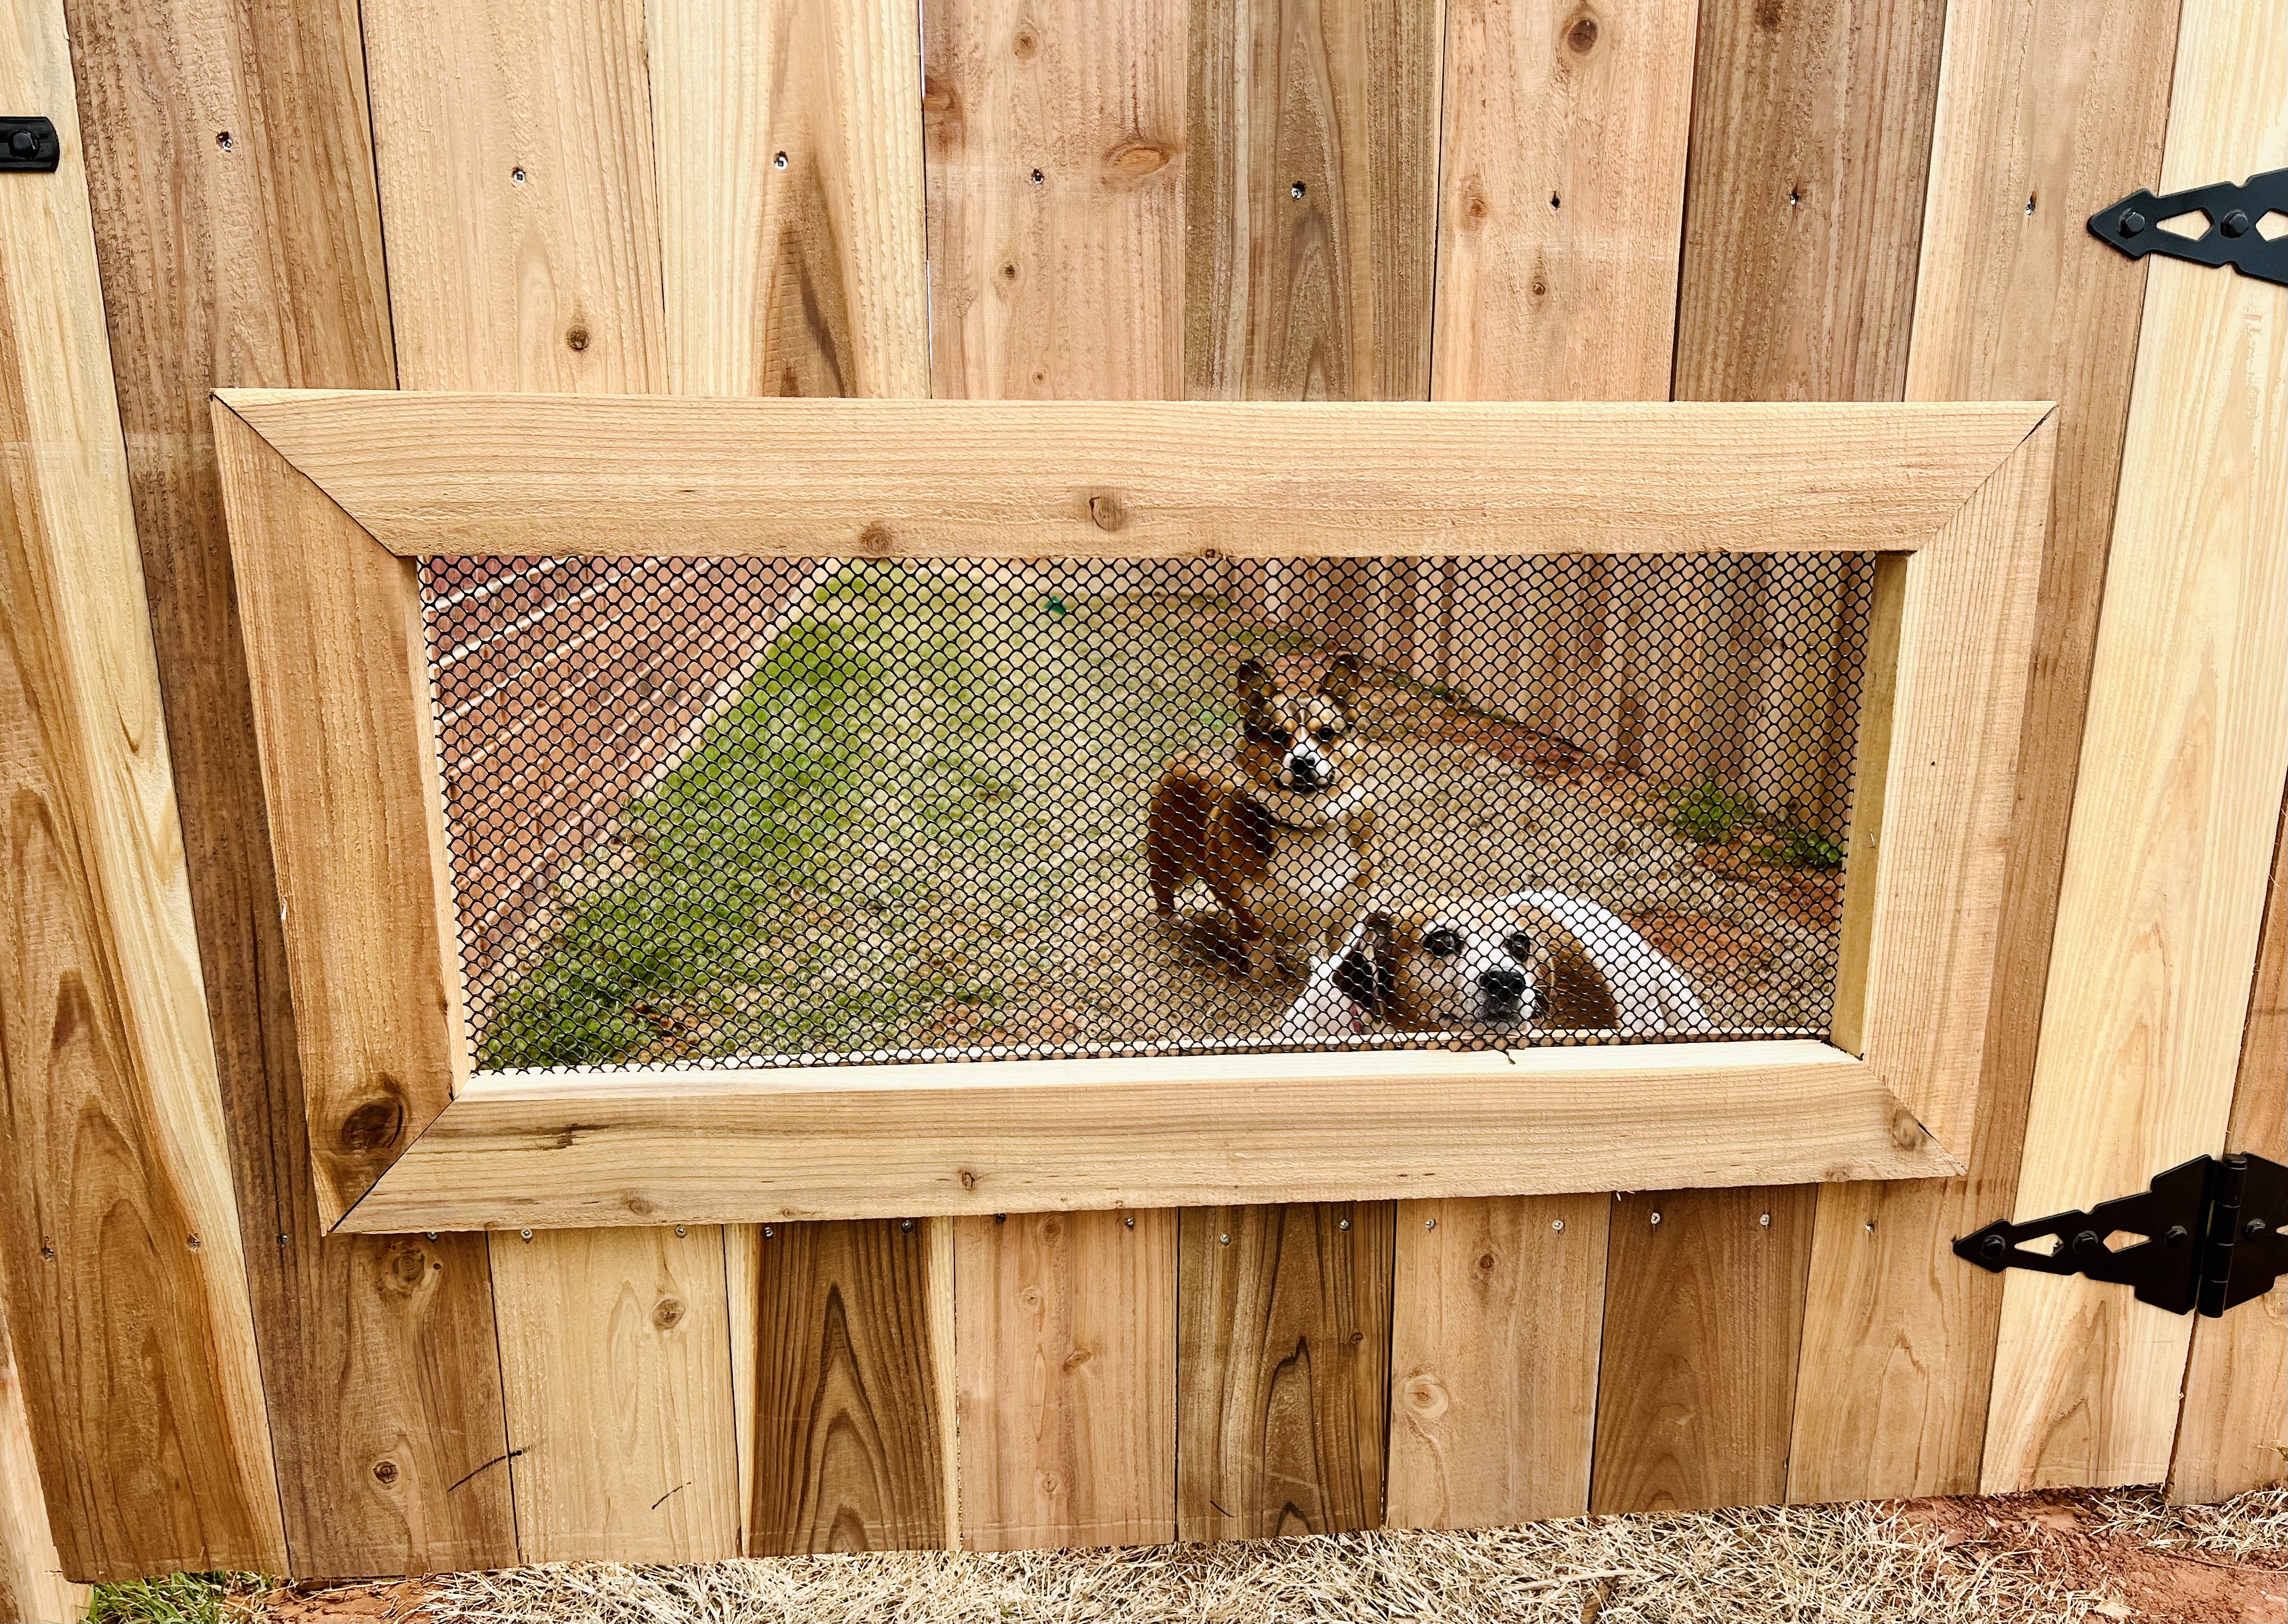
{"x":2115,"y":1556}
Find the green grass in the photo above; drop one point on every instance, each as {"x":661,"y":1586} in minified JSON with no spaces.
{"x":913,"y":785}
{"x":1708,"y":813}
{"x":1801,"y":848}
{"x":177,"y":1598}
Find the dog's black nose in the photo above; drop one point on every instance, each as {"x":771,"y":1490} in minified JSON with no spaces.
{"x":1306,"y":774}
{"x":1503,"y":986}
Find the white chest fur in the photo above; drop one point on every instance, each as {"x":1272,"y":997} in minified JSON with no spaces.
{"x":1314,"y":873}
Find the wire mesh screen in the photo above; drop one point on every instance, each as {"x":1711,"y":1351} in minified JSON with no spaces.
{"x":795,"y":812}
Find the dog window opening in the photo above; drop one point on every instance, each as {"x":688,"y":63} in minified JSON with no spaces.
{"x":761,"y":812}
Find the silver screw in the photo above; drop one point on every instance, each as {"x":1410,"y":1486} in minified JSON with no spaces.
{"x":1429,"y":1224}
{"x":1342,"y":1224}
{"x":195,"y":1243}
{"x":524,"y":1234}
{"x":1129,"y":1223}
{"x":516,"y":177}
{"x":1767,"y":1221}
{"x":768,"y":1231}
{"x":779,"y":161}
{"x":1223,"y":1240}
{"x":906,"y":1224}
{"x":1558,"y":1225}
{"x":426,"y":1235}
{"x":679,"y":1231}
{"x":1871,"y":1226}
{"x":1655,"y":1219}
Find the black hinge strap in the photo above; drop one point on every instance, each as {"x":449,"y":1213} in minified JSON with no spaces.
{"x":2210,"y":1234}
{"x":2236,"y":226}
{"x":28,"y":143}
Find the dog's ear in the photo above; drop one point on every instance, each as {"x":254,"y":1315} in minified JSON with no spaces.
{"x":1366,"y":974}
{"x":1254,"y":686}
{"x":1341,"y":682}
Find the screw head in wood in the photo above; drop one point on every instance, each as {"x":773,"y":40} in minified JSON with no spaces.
{"x":1223,"y":1240}
{"x":778,"y":161}
{"x":1429,"y":1224}
{"x":1767,"y":1221}
{"x":679,"y":1230}
{"x":906,"y":1225}
{"x":1558,"y":1225}
{"x":524,"y":1234}
{"x":1128,"y":1223}
{"x":195,"y":1243}
{"x":1656,"y":1220}
{"x":1296,"y":190}
{"x":768,"y":1231}
{"x":1342,"y":1224}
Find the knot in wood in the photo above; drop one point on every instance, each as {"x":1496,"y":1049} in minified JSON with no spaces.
{"x":1106,"y":512}
{"x":1136,"y":159}
{"x":385,"y":1472}
{"x":373,"y":1126}
{"x":1581,"y":36}
{"x":874,"y":540}
{"x":668,"y":1314}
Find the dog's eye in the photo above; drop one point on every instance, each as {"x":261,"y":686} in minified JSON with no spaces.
{"x":1325,"y":735}
{"x":1270,"y":737}
{"x":1519,"y":943}
{"x":1442,"y":943}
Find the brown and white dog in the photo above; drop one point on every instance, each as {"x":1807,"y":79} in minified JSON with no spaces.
{"x":1534,"y":959}
{"x":1281,"y":827}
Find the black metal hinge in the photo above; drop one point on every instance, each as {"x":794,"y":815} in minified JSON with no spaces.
{"x":2234,"y":234}
{"x":28,"y":143}
{"x":2204,"y":1237}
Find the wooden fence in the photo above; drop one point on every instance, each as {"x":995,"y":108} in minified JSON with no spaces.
{"x":1443,"y":199}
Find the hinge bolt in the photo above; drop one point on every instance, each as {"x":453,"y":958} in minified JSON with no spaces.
{"x":1993,"y":1248}
{"x":2178,"y":1235}
{"x":2253,"y":1230}
{"x":2088,"y":1244}
{"x":2132,"y":222}
{"x":2234,"y":225}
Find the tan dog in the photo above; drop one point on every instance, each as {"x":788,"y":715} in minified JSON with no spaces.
{"x":1541,"y":958}
{"x":1280,"y":826}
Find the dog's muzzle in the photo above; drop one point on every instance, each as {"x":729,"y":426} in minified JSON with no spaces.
{"x":1503,"y":996}
{"x":1306,"y":774}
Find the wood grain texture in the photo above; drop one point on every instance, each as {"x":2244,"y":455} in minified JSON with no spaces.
{"x":32,"y":1582}
{"x":1066,"y":1376}
{"x":2163,"y":886}
{"x":1811,"y":126}
{"x":2232,"y":1434}
{"x":717,"y":1145}
{"x":537,"y":476}
{"x":1283,"y":1369}
{"x":1703,"y":1308}
{"x":853,"y":1441}
{"x":1493,"y":1359}
{"x":1561,"y":202}
{"x":1562,"y":185}
{"x":1311,"y":199}
{"x":256,"y":260}
{"x":1958,"y":696}
{"x":127,"y":1296}
{"x":2009,"y":302}
{"x":1055,"y":168}
{"x":792,"y":226}
{"x":615,"y":1354}
{"x":340,"y":685}
{"x":514,"y":139}
{"x":790,"y":150}
{"x":1810,"y":139}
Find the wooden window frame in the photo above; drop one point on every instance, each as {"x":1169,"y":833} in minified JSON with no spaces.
{"x":332,"y":495}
